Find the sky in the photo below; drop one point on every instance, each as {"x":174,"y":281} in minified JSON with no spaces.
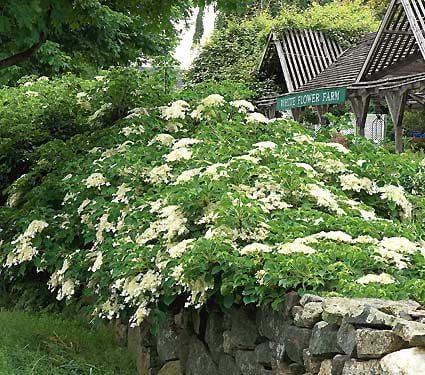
{"x":184,"y":52}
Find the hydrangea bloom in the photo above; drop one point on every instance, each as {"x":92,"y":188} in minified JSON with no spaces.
{"x":182,"y":153}
{"x":96,"y":180}
{"x":176,"y":110}
{"x":256,"y":117}
{"x":382,"y":278}
{"x":243,"y":105}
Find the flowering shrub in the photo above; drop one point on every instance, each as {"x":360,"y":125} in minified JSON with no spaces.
{"x":40,"y":113}
{"x":222,"y":205}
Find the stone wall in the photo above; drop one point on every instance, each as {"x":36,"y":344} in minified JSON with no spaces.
{"x":309,"y":335}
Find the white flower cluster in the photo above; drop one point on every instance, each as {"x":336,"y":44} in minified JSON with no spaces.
{"x":382,"y":278}
{"x":182,"y":153}
{"x":268,"y":194}
{"x":96,"y":180}
{"x":396,"y":194}
{"x":302,"y":138}
{"x":356,"y":183}
{"x":396,"y":250}
{"x":24,"y":250}
{"x":331,"y":166}
{"x":266,"y":145}
{"x":188,"y":175}
{"x":163,"y":139}
{"x":172,"y":223}
{"x":254,"y":248}
{"x":159,"y":174}
{"x":243,"y":106}
{"x":295,"y":247}
{"x":120,"y":196}
{"x":324,"y":198}
{"x":256,"y":117}
{"x":336,"y":146}
{"x":177,"y":250}
{"x":176,"y":110}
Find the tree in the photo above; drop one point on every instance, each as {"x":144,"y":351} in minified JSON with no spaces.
{"x":51,"y":36}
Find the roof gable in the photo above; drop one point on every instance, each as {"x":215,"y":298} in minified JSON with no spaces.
{"x":400,"y":38}
{"x":303,"y":54}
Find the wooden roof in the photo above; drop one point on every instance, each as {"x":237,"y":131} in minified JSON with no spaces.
{"x":400,"y":37}
{"x":302,"y":55}
{"x":345,"y":70}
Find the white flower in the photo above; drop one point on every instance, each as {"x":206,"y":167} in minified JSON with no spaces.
{"x":306,"y":167}
{"x":255,"y":248}
{"x":159,"y":174}
{"x":176,"y":110}
{"x":120,"y":194}
{"x":43,"y":79}
{"x":150,"y":282}
{"x":396,"y":194}
{"x":83,"y":205}
{"x":13,"y":199}
{"x":356,"y":183}
{"x":213,"y":170}
{"x":302,"y":138}
{"x":256,"y":117}
{"x":135,"y":129}
{"x":265,"y":145}
{"x":396,"y":249}
{"x":243,"y":106}
{"x":96,"y":180}
{"x":27,"y":84}
{"x":360,"y":162}
{"x":179,"y":249}
{"x":338,"y":236}
{"x":188,"y":175}
{"x":99,"y":78}
{"x":184,"y":142}
{"x":331,"y":166}
{"x":163,"y":139}
{"x":97,"y":263}
{"x":182,"y":153}
{"x":382,"y":278}
{"x":324,"y":198}
{"x":337,"y":146}
{"x":295,"y":247}
{"x":32,"y":93}
{"x":81,"y":95}
{"x":212,"y":100}
{"x":139,"y":316}
{"x":249,"y":158}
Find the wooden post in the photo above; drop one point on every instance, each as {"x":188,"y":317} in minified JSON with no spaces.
{"x":396,"y":103}
{"x":296,"y":114}
{"x":360,"y":105}
{"x":321,"y":111}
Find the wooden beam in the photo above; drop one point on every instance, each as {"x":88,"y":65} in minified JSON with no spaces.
{"x":396,"y":101}
{"x":296,"y":114}
{"x":321,"y":111}
{"x":360,"y":105}
{"x":283,"y":64}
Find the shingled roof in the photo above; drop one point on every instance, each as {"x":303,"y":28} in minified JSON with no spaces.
{"x":345,"y":70}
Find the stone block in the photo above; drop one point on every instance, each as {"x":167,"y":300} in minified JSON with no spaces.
{"x":309,"y":315}
{"x":214,"y":335}
{"x":263,"y":354}
{"x":199,"y":360}
{"x":171,"y":368}
{"x":346,"y":338}
{"x":167,"y":343}
{"x":291,"y":299}
{"x":272,"y":324}
{"x":243,"y":333}
{"x":356,"y":367}
{"x":372,"y":343}
{"x":296,"y":369}
{"x":338,"y":363}
{"x":227,"y":365}
{"x":412,"y":332}
{"x":307,"y":298}
{"x":246,"y":362}
{"x":324,"y":339}
{"x":404,"y":362}
{"x":369,"y":316}
{"x":326,"y":367}
{"x":296,"y":340}
{"x":312,"y":363}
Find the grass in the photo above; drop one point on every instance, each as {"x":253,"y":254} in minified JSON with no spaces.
{"x":32,"y":344}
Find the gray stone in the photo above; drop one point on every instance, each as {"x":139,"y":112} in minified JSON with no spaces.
{"x":167,"y":344}
{"x":199,"y":361}
{"x":326,"y":367}
{"x":146,"y":361}
{"x":307,"y":298}
{"x":324,"y":339}
{"x":263,"y":354}
{"x":296,"y":369}
{"x":227,"y":365}
{"x":312,"y":363}
{"x":291,"y":299}
{"x":247,"y":365}
{"x":355,"y":367}
{"x":346,"y":338}
{"x":335,"y":308}
{"x":296,"y":340}
{"x":338,"y":363}
{"x":243,"y":333}
{"x":214,"y":334}
{"x":412,"y":332}
{"x":309,"y":316}
{"x":296,"y":311}
{"x":405,"y":362}
{"x":272,"y":324}
{"x":372,"y":343}
{"x":171,"y":368}
{"x":369,"y":316}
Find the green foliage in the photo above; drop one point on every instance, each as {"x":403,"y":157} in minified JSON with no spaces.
{"x":38,"y":115}
{"x":203,"y":200}
{"x":47,"y":345}
{"x":235,"y":49}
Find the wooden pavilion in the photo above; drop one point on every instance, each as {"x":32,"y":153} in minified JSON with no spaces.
{"x":293,"y":58}
{"x":386,"y":68}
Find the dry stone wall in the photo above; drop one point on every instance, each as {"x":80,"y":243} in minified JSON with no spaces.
{"x":307,"y":335}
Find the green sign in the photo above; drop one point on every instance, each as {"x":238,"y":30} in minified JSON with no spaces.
{"x":312,"y":98}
